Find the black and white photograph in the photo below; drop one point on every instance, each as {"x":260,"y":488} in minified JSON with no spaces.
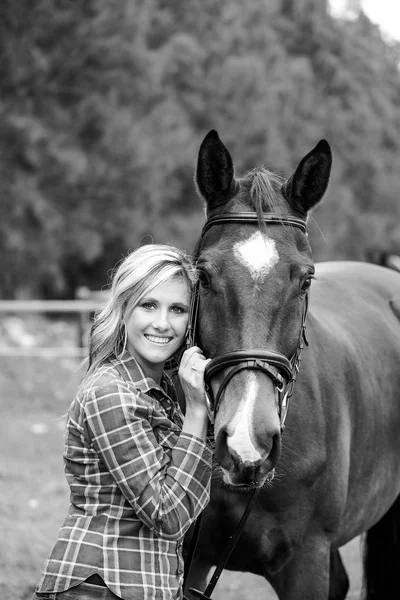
{"x":199,"y":300}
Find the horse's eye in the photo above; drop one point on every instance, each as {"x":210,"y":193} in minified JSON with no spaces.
{"x":306,"y":284}
{"x":204,"y":279}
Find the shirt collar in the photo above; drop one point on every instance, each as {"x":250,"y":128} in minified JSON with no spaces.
{"x":131,"y":371}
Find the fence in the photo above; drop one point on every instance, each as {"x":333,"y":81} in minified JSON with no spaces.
{"x":81,"y":309}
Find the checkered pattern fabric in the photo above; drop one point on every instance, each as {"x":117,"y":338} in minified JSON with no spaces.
{"x":137,"y":484}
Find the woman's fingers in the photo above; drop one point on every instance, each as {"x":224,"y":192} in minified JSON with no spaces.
{"x":191,"y":371}
{"x":190,"y":356}
{"x":199,"y":363}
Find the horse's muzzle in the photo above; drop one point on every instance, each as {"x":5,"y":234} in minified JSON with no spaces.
{"x":238,"y":472}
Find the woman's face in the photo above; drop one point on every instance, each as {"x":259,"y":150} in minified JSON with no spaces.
{"x":156,"y":327}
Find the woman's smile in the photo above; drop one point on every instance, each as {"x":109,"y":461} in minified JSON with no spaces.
{"x":157,"y":340}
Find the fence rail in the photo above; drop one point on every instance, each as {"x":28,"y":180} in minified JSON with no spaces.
{"x":46,"y":306}
{"x":41,"y":352}
{"x":79,"y":308}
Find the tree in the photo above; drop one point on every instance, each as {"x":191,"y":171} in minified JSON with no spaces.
{"x":104,"y":106}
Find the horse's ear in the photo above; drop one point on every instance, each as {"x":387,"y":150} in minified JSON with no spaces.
{"x":214,"y":173}
{"x":305,"y":188}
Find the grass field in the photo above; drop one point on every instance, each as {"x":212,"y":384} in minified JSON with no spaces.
{"x":34,"y":396}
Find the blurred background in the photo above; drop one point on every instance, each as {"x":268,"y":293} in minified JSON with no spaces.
{"x":103,"y":106}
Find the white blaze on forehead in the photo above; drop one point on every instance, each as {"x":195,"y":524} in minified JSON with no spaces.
{"x":240,"y":441}
{"x":258,"y":254}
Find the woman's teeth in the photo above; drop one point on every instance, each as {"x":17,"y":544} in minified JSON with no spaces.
{"x":157,"y":340}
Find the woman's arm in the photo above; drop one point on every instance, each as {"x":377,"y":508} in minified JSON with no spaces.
{"x":167,"y":487}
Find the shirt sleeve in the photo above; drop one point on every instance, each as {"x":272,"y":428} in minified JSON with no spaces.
{"x":167,"y":487}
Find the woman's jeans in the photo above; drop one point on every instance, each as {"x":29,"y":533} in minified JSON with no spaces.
{"x":83,"y":591}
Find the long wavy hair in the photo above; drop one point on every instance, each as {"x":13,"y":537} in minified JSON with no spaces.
{"x":140,"y":272}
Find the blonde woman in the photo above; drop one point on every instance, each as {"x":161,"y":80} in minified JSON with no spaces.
{"x":138,"y":470}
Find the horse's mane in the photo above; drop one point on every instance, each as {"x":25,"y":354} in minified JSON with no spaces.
{"x":260,"y":189}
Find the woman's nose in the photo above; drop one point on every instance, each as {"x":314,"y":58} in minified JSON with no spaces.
{"x":161,"y":321}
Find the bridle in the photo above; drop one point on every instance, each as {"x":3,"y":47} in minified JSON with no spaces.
{"x":281,"y":370}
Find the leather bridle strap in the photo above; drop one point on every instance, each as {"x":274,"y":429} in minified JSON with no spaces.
{"x":269,"y":362}
{"x":233,"y":538}
{"x":192,"y":321}
{"x":250,"y":217}
{"x":231,"y":358}
{"x":246,"y":364}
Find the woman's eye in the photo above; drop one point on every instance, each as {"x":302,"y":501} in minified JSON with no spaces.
{"x":148,"y":305}
{"x":179,"y":310}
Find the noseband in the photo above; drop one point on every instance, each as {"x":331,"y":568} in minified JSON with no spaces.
{"x":281,"y":370}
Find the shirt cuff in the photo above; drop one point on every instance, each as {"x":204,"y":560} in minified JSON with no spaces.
{"x":193,"y":443}
{"x":193,"y":461}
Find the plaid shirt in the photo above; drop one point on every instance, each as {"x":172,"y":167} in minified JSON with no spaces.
{"x":137,"y":484}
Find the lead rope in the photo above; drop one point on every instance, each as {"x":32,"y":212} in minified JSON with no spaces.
{"x":233,"y":538}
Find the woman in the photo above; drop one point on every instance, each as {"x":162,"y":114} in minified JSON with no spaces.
{"x":138,"y":470}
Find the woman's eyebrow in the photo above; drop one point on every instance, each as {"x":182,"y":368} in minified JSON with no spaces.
{"x":183,"y":304}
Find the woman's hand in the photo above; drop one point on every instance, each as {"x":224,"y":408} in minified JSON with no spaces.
{"x":191,"y":375}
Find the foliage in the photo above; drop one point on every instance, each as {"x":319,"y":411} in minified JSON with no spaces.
{"x":104,"y":105}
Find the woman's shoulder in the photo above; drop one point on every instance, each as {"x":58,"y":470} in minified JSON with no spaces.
{"x":105,"y":381}
{"x":109,"y":385}
{"x":104,"y":376}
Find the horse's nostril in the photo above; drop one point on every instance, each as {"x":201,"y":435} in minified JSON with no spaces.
{"x":222,"y":454}
{"x":275,"y":450}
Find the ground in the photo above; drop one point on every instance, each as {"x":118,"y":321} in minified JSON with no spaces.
{"x":34,"y":397}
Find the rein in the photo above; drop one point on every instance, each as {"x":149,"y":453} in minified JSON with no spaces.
{"x":281,"y":370}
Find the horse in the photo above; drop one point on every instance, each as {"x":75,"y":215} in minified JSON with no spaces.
{"x":327,"y":336}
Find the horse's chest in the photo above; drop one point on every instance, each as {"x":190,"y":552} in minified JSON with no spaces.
{"x":263,"y":548}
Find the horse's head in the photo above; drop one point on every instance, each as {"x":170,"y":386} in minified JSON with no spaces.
{"x":255,"y":273}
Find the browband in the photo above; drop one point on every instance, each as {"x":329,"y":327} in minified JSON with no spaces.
{"x":250,"y":217}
